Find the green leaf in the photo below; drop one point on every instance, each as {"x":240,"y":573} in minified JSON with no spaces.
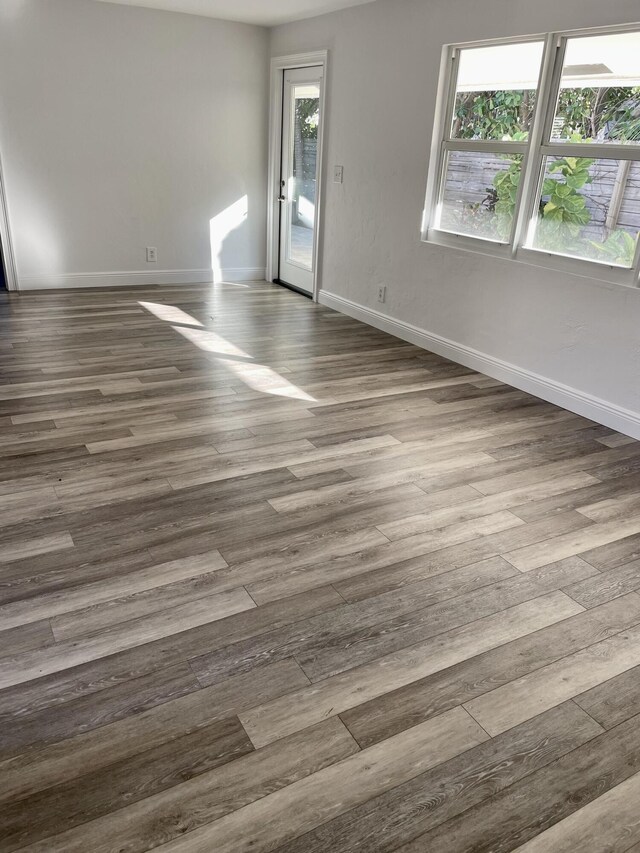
{"x":562,"y":190}
{"x":554,"y":215}
{"x":577,"y":180}
{"x":504,"y":208}
{"x":557,"y":200}
{"x":575,"y":203}
{"x":582,"y":217}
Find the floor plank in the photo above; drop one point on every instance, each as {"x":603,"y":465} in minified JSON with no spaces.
{"x":398,"y":709}
{"x":183,"y":809}
{"x":273,"y":579}
{"x":268,"y":722}
{"x":522,"y":699}
{"x":434,"y":797}
{"x":136,"y":777}
{"x":101,"y":745}
{"x":609,"y":823}
{"x":531,"y":805}
{"x":615,"y":700}
{"x":319,"y":797}
{"x":70,"y":653}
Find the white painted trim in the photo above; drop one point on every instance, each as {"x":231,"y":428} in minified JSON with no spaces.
{"x":592,"y":270}
{"x":113,"y":279}
{"x":10,"y":270}
{"x":241,"y":274}
{"x":538,"y":146}
{"x":618,"y":418}
{"x":136,"y":277}
{"x":278,"y":65}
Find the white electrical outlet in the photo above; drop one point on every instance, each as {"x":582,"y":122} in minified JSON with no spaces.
{"x":152,"y":254}
{"x":338,"y":174}
{"x":382,"y":294}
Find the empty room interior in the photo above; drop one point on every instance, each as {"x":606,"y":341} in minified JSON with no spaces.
{"x":320,"y":426}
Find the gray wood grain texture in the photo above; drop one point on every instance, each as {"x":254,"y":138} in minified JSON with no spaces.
{"x":288,"y":583}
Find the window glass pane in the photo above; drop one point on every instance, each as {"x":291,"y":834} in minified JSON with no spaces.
{"x":589,"y":209}
{"x":495,"y":91}
{"x":599,"y":96}
{"x":305,"y":114}
{"x":479,"y":194}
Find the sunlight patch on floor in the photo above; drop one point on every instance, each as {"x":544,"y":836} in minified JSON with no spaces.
{"x":262,"y":378}
{"x":211,"y":342}
{"x":170,"y":313}
{"x":258,"y":377}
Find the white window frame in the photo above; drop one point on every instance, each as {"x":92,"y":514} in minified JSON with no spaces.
{"x":534,"y":150}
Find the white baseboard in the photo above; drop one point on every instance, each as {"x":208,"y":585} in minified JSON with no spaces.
{"x":135,"y":278}
{"x":601,"y":411}
{"x":242,"y":274}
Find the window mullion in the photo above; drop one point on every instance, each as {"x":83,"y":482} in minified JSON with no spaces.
{"x":597,"y":150}
{"x":636,"y":265}
{"x":532,"y":166}
{"x":486,"y":146}
{"x":552,"y":91}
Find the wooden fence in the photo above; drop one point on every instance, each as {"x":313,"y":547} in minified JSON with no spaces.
{"x":613,"y":196}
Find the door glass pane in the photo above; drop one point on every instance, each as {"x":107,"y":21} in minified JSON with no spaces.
{"x":479,"y":194}
{"x":589,"y":209}
{"x":600,"y":90}
{"x":305,"y":115}
{"x":496,"y":91}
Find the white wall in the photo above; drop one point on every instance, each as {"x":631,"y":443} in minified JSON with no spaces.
{"x":537,"y":329}
{"x":122,"y":128}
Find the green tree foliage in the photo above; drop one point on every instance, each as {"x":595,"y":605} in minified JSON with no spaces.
{"x":587,"y":113}
{"x":582,"y":114}
{"x":563,"y":209}
{"x":590,"y":113}
{"x":307,"y":117}
{"x":492,"y":115}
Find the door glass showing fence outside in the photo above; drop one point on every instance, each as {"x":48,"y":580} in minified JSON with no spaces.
{"x":299,"y":176}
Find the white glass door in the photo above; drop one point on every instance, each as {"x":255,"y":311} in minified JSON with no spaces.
{"x":299,"y":176}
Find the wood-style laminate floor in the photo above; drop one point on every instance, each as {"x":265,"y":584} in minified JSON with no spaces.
{"x":272,"y":580}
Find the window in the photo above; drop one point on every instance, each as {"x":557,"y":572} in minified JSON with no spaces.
{"x":537,"y":156}
{"x":493,"y":104}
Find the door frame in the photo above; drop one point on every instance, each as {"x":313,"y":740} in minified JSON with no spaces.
{"x":10,"y":271}
{"x":280,"y":64}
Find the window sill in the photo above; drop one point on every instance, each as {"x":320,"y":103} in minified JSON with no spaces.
{"x":591,"y":270}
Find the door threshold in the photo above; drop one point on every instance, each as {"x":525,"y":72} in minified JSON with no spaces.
{"x":293,"y":287}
